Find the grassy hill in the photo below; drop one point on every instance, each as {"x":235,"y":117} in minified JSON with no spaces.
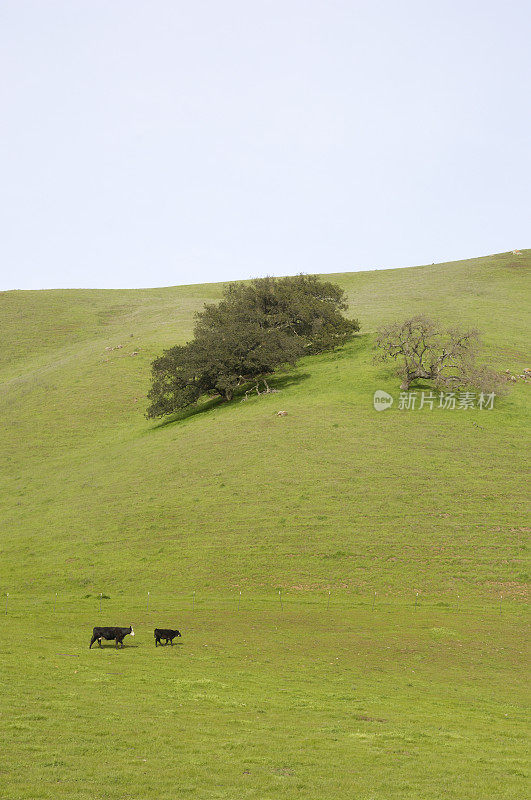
{"x":333,"y":495}
{"x":313,"y":698}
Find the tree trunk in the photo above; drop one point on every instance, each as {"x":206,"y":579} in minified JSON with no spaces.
{"x":413,"y":376}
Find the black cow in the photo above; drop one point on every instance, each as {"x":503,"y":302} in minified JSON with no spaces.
{"x":117,"y":634}
{"x":165,"y":633}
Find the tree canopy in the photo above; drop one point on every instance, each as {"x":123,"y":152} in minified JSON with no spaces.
{"x":257,"y":327}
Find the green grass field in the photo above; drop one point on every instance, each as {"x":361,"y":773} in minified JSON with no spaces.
{"x":316,"y":699}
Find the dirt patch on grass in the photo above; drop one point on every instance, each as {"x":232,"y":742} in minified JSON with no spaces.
{"x":510,"y":589}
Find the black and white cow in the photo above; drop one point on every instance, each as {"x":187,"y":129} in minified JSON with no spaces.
{"x":165,"y":633}
{"x":109,"y":634}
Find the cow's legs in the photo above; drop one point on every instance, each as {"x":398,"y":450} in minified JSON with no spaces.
{"x":92,"y":641}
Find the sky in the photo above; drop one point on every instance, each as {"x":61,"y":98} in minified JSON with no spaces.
{"x":160,"y":142}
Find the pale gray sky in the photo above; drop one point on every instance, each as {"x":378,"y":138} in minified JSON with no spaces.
{"x":159,"y":142}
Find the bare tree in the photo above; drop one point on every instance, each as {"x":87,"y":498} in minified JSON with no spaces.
{"x":423,"y":350}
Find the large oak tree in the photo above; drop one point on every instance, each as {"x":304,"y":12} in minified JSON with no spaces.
{"x":257,"y":327}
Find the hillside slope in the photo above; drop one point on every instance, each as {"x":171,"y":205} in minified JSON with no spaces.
{"x":332,"y":495}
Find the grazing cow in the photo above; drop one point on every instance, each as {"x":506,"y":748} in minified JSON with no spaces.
{"x":165,"y":633}
{"x":117,"y":634}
